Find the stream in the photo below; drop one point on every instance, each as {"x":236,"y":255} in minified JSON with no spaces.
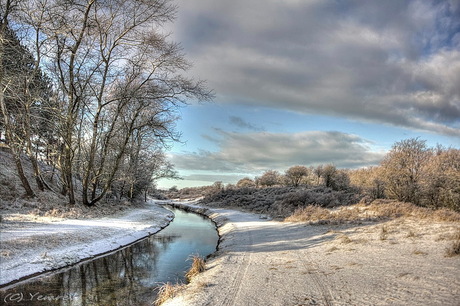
{"x":129,"y":276}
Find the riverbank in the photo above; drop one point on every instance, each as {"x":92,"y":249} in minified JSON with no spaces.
{"x":263,"y":262}
{"x":31,"y":245}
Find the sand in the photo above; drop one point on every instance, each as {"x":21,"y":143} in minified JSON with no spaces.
{"x":262,"y":262}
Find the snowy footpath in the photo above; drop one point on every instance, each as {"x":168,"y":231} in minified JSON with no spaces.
{"x":265,"y":262}
{"x":32,"y":247}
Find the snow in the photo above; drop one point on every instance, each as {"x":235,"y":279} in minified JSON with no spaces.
{"x":29,"y":248}
{"x":261,"y":261}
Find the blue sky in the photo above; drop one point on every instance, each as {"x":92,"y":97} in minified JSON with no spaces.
{"x":314,"y":82}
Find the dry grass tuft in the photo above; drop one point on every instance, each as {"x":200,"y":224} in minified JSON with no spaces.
{"x":344,"y":239}
{"x":384,"y":233}
{"x":198,"y":266}
{"x":411,"y":234}
{"x":310,"y":213}
{"x":419,"y":252}
{"x":166,"y":292}
{"x":454,"y":248}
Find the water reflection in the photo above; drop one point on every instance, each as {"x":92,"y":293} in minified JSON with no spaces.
{"x":127,"y":277}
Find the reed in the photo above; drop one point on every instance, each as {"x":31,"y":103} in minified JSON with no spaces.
{"x":166,"y":292}
{"x":198,"y":266}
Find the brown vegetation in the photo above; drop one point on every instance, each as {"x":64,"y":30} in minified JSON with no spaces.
{"x":166,"y":292}
{"x":169,"y":291}
{"x":377,"y":210}
{"x":198,"y":266}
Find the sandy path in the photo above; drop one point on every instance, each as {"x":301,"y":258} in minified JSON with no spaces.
{"x":262,"y":262}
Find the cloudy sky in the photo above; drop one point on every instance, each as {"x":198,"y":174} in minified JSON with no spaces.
{"x":308,"y":82}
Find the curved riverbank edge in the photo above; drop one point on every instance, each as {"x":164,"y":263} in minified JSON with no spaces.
{"x":218,"y":220}
{"x":35,"y":249}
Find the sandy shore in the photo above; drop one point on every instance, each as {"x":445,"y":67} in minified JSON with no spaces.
{"x":262,"y":262}
{"x":31,"y":244}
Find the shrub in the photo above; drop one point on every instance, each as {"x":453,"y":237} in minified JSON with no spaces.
{"x":280,"y":201}
{"x":309,"y":213}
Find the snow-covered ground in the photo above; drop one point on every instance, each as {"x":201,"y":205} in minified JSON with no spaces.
{"x":265,"y":262}
{"x":261,"y":261}
{"x":28,"y":247}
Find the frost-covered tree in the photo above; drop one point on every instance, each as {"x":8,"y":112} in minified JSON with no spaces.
{"x":246,"y":183}
{"x":296,"y":174}
{"x":269,"y":178}
{"x":114,"y":74}
{"x":25,"y":93}
{"x":402,"y":169}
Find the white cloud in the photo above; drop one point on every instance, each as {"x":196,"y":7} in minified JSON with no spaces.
{"x":256,"y":152}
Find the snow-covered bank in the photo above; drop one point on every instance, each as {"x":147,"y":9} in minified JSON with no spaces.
{"x":262,"y":262}
{"x":28,"y":248}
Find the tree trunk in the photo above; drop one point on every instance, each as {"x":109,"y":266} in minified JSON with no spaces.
{"x":31,"y":155}
{"x":25,"y":182}
{"x":67,"y":172}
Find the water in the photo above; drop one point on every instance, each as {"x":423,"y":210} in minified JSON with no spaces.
{"x":130,"y":276}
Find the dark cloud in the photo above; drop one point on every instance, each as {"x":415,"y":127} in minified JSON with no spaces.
{"x":256,"y":152}
{"x":241,"y":123}
{"x":226,"y":179}
{"x":392,"y":62}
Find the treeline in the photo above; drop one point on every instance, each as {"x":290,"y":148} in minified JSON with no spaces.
{"x":410,"y":172}
{"x":92,"y":89}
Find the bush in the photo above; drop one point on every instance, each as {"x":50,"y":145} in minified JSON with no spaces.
{"x":280,"y":201}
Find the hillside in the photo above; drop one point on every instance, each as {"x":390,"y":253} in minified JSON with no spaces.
{"x":49,"y":203}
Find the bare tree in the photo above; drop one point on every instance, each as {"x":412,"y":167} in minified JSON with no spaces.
{"x":334,"y":178}
{"x":269,"y":178}
{"x":318,"y":171}
{"x":402,"y":169}
{"x":369,"y":180}
{"x":246,"y":183}
{"x":440,"y":181}
{"x":113,"y":75}
{"x":296,"y":174}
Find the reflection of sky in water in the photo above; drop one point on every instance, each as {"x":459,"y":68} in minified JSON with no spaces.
{"x":126,"y":277}
{"x":191,"y":234}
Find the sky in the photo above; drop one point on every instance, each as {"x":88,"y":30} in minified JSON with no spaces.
{"x":309,"y":82}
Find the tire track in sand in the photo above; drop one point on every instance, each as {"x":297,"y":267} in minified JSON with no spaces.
{"x":316,"y":277}
{"x":242,"y":268}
